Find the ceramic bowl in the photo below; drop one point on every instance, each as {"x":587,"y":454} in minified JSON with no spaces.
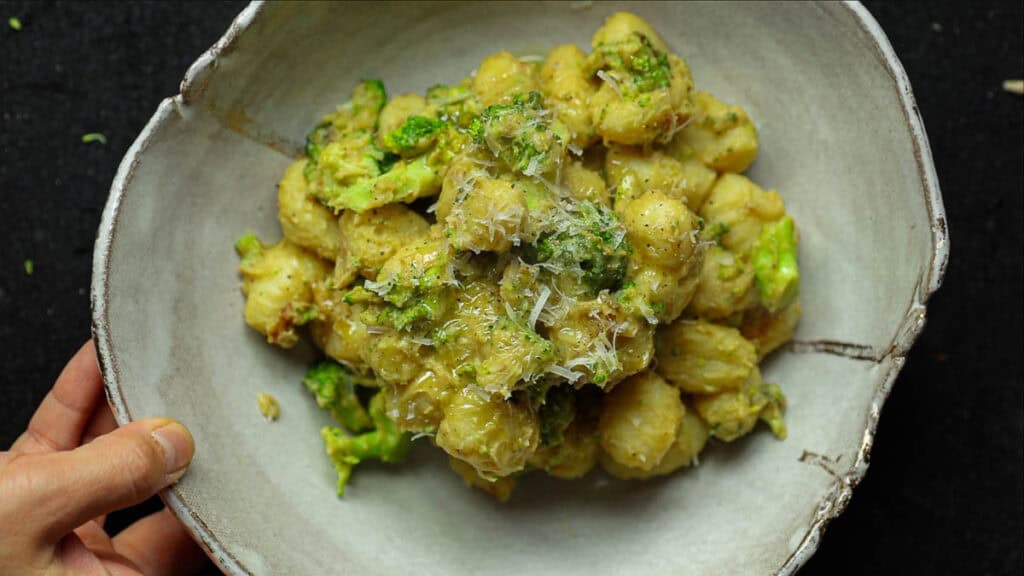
{"x":841,"y":140}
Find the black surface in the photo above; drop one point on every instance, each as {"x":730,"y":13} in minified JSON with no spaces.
{"x":944,"y":493}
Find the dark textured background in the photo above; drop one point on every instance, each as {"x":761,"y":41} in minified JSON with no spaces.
{"x":944,"y":492}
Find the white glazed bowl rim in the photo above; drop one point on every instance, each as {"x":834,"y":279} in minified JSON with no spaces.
{"x":829,"y":507}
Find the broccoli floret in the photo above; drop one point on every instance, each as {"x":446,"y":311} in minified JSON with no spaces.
{"x":384,"y":443}
{"x":368,"y":98}
{"x":557,"y":412}
{"x":414,"y":136}
{"x":590,"y":241}
{"x":406,"y":181}
{"x":359,"y":113}
{"x":335,"y":390}
{"x":635,"y":66}
{"x":427,"y":308}
{"x":522,"y":134}
{"x":775,"y":265}
{"x":317,"y":139}
{"x":650,"y":68}
{"x":343,"y":169}
{"x":249,"y":247}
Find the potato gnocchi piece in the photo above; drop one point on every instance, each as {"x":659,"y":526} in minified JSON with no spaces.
{"x":584,"y":183}
{"x":633,"y":173}
{"x":703,"y":358}
{"x":394,"y":359}
{"x":645,"y":92}
{"x":304,"y":221}
{"x":640,"y":421}
{"x":501,"y":76}
{"x":493,"y":435}
{"x":721,"y":136}
{"x":488,"y":217}
{"x":418,"y":406}
{"x":624,"y":26}
{"x":568,"y":89}
{"x":734,"y":413}
{"x":737,"y":209}
{"x":692,"y":437}
{"x":339,"y":331}
{"x":769,"y":331}
{"x":277,"y":281}
{"x":486,"y":349}
{"x":573,"y":459}
{"x":665,"y":267}
{"x":601,"y":342}
{"x":501,"y":488}
{"x":371,"y":238}
{"x":726,"y":286}
{"x":662,"y":231}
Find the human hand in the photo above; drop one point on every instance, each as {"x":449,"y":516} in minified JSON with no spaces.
{"x":71,"y":467}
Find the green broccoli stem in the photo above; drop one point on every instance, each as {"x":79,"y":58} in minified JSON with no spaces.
{"x":334,"y":389}
{"x":406,"y":181}
{"x":775,"y":265}
{"x":385,"y":443}
{"x":249,"y":246}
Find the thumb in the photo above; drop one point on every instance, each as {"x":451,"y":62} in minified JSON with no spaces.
{"x":114,"y":471}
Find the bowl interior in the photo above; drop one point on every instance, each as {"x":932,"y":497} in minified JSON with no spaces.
{"x":835,"y":142}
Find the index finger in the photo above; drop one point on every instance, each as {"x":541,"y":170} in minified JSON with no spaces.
{"x":67,"y":408}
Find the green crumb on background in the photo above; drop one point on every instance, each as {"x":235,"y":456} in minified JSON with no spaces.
{"x":268,"y":405}
{"x":30,"y":267}
{"x":94,"y":137}
{"x":14,"y":23}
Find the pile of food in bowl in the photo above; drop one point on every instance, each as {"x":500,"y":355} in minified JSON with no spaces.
{"x":553,"y":264}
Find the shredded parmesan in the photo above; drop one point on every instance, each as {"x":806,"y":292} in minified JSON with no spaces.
{"x":380,"y":288}
{"x":542,"y":299}
{"x":608,"y":79}
{"x":563,"y":372}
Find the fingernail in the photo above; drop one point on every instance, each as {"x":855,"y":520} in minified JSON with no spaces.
{"x":176,"y":442}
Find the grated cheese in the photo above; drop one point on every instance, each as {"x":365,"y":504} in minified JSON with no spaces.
{"x":538,"y":306}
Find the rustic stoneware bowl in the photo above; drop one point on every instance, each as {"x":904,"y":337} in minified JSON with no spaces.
{"x":841,"y":140}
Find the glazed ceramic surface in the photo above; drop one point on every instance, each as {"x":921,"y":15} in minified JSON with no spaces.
{"x":840,"y":139}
